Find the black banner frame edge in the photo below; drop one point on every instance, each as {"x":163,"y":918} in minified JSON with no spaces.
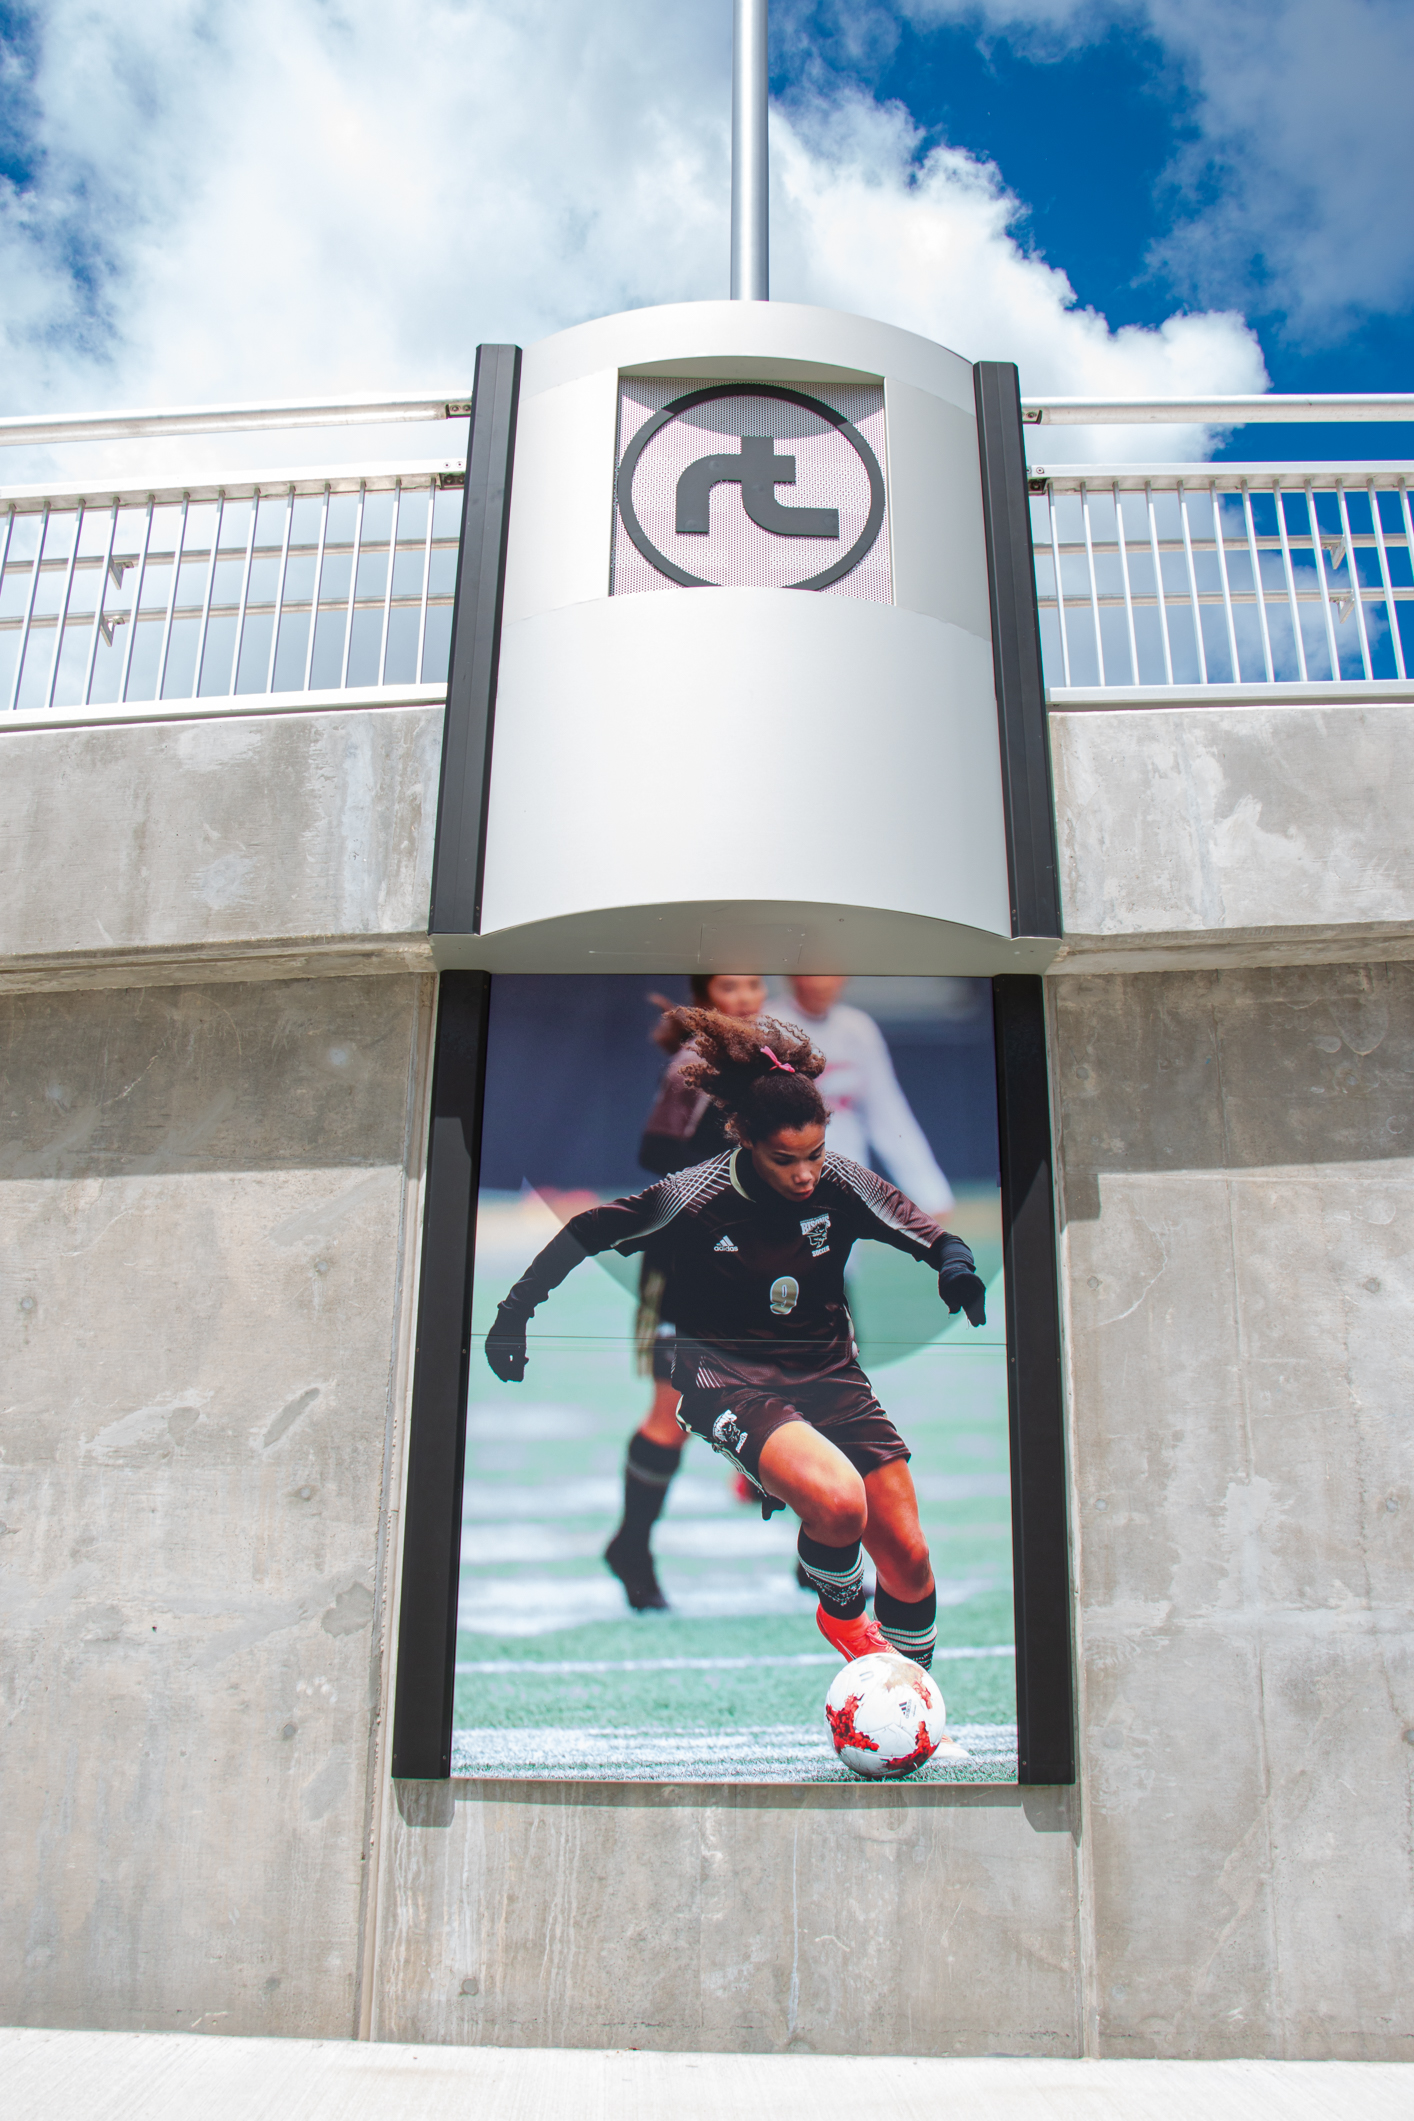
{"x":464,"y":785}
{"x":425,"y":1671}
{"x":1028,"y":796}
{"x":1041,"y":1572}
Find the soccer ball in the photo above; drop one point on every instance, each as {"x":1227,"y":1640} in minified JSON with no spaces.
{"x":886,"y":1715}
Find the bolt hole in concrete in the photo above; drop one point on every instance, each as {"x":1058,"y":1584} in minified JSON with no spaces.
{"x":555,"y":1674}
{"x":471,"y":1986}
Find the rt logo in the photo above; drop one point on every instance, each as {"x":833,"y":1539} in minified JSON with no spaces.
{"x":757,"y":468}
{"x":758,"y":471}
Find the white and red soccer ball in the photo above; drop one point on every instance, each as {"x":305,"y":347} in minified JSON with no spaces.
{"x":886,"y":1715}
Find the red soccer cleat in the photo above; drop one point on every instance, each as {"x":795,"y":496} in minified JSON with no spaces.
{"x":853,"y":1638}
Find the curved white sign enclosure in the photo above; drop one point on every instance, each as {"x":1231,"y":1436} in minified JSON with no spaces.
{"x":745,"y":708}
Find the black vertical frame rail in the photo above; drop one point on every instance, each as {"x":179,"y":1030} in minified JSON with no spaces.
{"x":1040,"y":1541}
{"x":459,"y":858}
{"x":432,"y":1510}
{"x":1027,"y":795}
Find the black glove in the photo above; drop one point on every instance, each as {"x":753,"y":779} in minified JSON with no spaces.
{"x":505,"y":1346}
{"x":959,"y":1284}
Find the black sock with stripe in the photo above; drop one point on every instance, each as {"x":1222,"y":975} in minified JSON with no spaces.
{"x":911,"y":1628}
{"x":648,"y":1469}
{"x":837,"y":1574}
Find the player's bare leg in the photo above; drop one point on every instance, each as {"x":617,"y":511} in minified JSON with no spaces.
{"x":806,"y":1471}
{"x":906,"y":1599}
{"x":660,"y":1423}
{"x":654,"y":1451}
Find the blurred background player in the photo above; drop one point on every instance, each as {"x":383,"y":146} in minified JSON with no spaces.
{"x":871,"y":1121}
{"x":754,"y":1245}
{"x":684,"y":1127}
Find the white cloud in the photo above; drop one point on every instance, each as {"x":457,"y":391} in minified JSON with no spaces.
{"x":928,"y":245}
{"x":1294,"y":194}
{"x":300,"y":198}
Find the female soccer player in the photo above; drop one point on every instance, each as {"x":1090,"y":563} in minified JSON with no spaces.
{"x":684,"y":1127}
{"x":764,"y":1358}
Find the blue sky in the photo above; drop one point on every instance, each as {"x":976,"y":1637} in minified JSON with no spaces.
{"x":1153,"y":197}
{"x":1100,"y":125}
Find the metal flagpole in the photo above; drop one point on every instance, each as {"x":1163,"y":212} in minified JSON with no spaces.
{"x":750,"y":198}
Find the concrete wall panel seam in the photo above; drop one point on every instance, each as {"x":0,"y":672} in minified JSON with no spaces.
{"x":382,"y":1675}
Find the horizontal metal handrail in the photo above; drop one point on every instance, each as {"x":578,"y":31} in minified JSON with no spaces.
{"x":250,"y":588}
{"x":28,"y":428}
{"x":1268,"y":409}
{"x":1228,"y":478}
{"x":377,"y":410}
{"x":315,"y":478}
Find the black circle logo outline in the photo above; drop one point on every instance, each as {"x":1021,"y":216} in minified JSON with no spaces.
{"x":623,"y":484}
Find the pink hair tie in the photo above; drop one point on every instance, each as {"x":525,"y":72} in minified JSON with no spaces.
{"x":784,"y":1066}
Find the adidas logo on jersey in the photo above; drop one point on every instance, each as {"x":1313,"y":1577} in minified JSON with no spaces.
{"x":724,"y":1244}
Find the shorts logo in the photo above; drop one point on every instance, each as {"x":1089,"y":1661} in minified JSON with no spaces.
{"x":816,"y":1228}
{"x":785,"y":1294}
{"x":727,"y":1432}
{"x":724,"y":1244}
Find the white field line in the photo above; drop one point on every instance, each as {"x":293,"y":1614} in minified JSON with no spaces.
{"x":702,"y":1664}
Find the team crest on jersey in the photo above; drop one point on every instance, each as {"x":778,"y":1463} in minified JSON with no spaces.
{"x":816,"y":1229}
{"x":785,"y":1294}
{"x":724,"y":1244}
{"x":727,"y":1432}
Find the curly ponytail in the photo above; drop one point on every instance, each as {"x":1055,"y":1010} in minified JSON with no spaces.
{"x":759,"y":1074}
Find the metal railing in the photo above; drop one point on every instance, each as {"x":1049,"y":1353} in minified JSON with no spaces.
{"x":296,"y":584}
{"x":1193,"y":576}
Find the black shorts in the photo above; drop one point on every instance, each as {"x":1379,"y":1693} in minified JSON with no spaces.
{"x":736,"y":1421}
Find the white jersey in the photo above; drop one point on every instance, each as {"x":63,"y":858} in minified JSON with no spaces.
{"x":871,"y":1120}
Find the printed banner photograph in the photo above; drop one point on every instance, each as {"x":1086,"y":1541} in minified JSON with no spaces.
{"x":738,"y":1405}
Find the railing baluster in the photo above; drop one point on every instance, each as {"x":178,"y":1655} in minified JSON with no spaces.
{"x":63,"y":619}
{"x":314,"y":593}
{"x":243,"y":608}
{"x":1060,"y":585}
{"x":1090,"y":576}
{"x":388,"y":585}
{"x":353,"y":585}
{"x":1255,"y":553}
{"x":20,"y":650}
{"x":1308,"y":488}
{"x":172,"y":599}
{"x":1385,"y":578}
{"x":426,"y":583}
{"x":206,"y":600}
{"x":1221,"y":542}
{"x":1349,"y":536}
{"x":1291,"y":582}
{"x":98,"y":604}
{"x":1124,"y":577}
{"x":137,"y":599}
{"x":1159,"y":584}
{"x":1192,"y":583}
{"x":280,"y":587}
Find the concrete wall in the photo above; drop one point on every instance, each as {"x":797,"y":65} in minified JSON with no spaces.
{"x":207,"y":1217}
{"x":829,"y":1920}
{"x":208,"y":1206}
{"x":1239,"y":1264}
{"x":1257,"y":835}
{"x":177,"y":845}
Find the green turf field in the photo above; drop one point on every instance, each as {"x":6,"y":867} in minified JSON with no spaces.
{"x":555,"y":1676}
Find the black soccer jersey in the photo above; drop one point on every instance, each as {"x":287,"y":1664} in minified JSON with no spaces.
{"x":757,"y":1280}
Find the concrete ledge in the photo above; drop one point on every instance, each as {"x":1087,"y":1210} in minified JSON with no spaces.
{"x":1354,"y":943}
{"x":169,"y":2076}
{"x":317,"y":957}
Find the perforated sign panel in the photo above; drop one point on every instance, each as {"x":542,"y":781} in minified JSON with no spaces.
{"x":751,"y":486}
